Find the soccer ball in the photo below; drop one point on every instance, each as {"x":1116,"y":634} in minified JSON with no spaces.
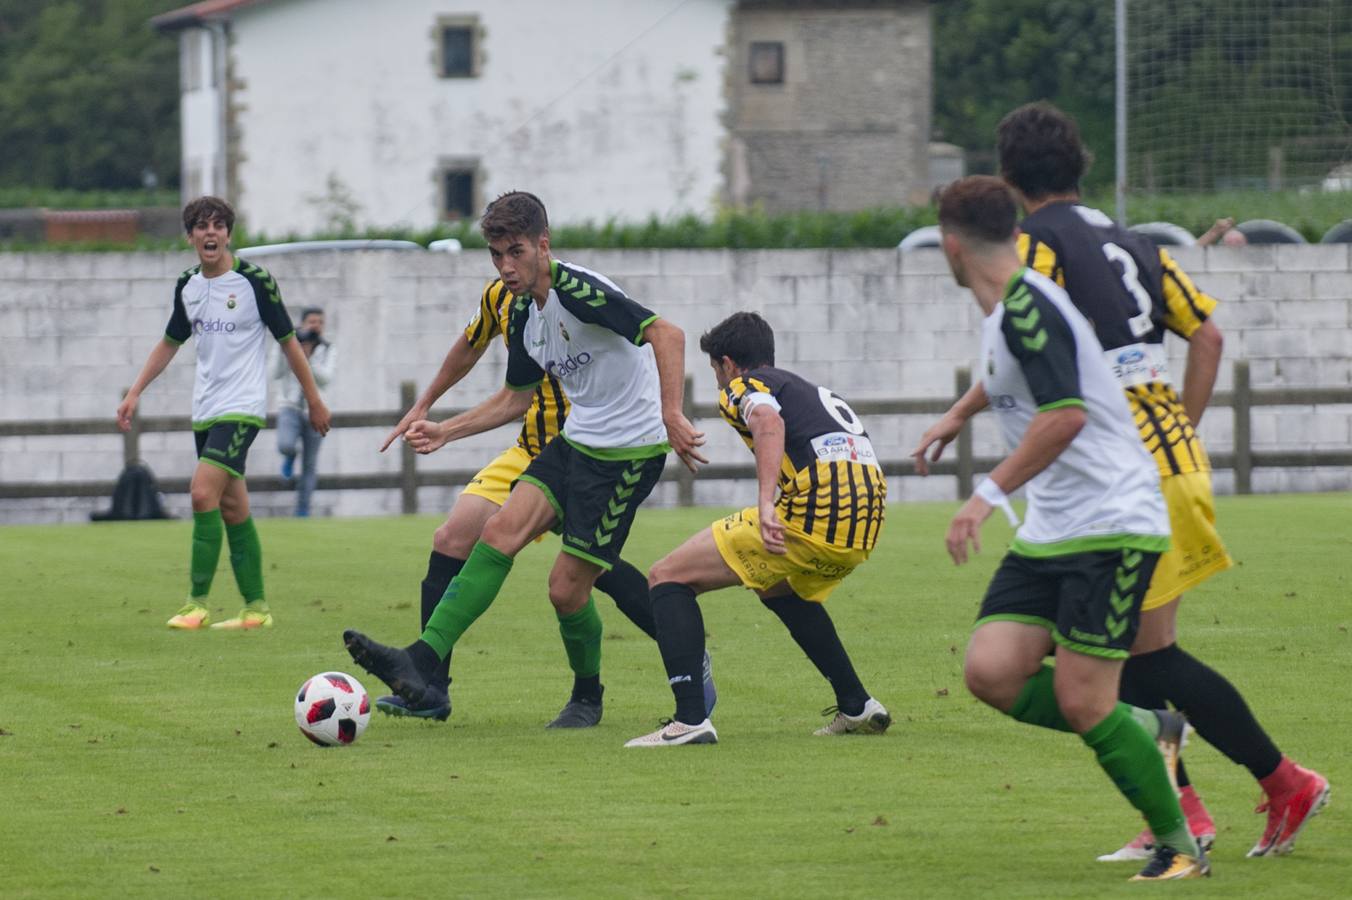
{"x":332,"y":709}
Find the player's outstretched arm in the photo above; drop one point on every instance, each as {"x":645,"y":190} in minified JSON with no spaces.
{"x":503,"y":407}
{"x":459,"y":361}
{"x":767,"y":436}
{"x":946,"y":430}
{"x":300,"y":367}
{"x":668,"y":343}
{"x":1047,"y":437}
{"x":159,"y":357}
{"x":1204,"y":364}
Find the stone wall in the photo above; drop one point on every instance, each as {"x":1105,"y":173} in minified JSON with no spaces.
{"x":75,"y":329}
{"x":842,"y":130}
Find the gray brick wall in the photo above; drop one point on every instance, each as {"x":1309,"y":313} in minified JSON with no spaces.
{"x":75,"y":329}
{"x":844,"y":131}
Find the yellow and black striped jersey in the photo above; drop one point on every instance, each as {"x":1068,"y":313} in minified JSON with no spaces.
{"x":1132,"y":292}
{"x":549,"y":408}
{"x":831,"y":486}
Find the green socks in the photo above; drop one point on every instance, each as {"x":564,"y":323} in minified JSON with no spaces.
{"x":1124,"y":743}
{"x":1036,"y":703}
{"x":207,"y":530}
{"x":581,"y":634}
{"x":468,"y":597}
{"x":246,"y":558}
{"x":246,"y":555}
{"x":1128,"y":754}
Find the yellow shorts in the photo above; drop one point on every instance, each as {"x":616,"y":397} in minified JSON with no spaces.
{"x":1196,"y":552}
{"x":812,"y":568}
{"x":494,"y":481}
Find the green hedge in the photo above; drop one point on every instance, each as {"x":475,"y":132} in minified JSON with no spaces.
{"x":52,"y":198}
{"x":1311,"y":214}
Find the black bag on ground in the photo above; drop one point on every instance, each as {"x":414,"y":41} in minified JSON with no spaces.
{"x":136,"y":496}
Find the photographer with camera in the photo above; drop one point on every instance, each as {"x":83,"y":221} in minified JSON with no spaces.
{"x":294,"y":432}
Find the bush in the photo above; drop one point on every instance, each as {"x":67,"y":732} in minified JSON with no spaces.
{"x":1309,"y":213}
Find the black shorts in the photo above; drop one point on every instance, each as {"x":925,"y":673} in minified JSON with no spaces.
{"x":226,"y":445}
{"x":1091,"y":602}
{"x":595,"y":499}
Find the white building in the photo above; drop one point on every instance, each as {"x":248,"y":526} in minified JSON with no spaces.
{"x":313,"y":114}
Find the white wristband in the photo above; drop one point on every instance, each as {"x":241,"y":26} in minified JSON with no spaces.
{"x":989,"y":491}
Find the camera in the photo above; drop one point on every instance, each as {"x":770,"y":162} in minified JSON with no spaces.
{"x":306,"y":336}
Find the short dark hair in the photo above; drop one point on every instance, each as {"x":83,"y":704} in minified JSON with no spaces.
{"x":204,"y":209}
{"x":744,"y":337}
{"x":514,"y":213}
{"x":311,"y":311}
{"x":979,"y":207}
{"x":1040,"y":151}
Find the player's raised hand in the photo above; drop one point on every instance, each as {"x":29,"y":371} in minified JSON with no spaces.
{"x":125,"y":410}
{"x":966,"y":527}
{"x":319,"y":417}
{"x":772,"y":530}
{"x":939,"y":435}
{"x":685,"y":440}
{"x":425,"y":436}
{"x":409,"y":418}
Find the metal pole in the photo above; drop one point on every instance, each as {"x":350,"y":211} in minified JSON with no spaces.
{"x":962,"y":383}
{"x":1120,"y":102}
{"x":1242,"y":405}
{"x":685,"y":479}
{"x":408,"y":460}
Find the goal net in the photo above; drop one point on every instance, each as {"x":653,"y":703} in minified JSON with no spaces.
{"x":1238,"y":95}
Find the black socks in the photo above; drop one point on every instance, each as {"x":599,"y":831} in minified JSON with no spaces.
{"x":1212,"y":704}
{"x":812,"y":629}
{"x":680,"y":638}
{"x":440,"y":570}
{"x":628,"y":587}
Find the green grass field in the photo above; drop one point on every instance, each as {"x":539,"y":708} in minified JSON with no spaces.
{"x":141,"y":762}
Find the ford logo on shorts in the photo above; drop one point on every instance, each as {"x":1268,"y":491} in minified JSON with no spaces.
{"x":835,"y":442}
{"x":1127,"y":357}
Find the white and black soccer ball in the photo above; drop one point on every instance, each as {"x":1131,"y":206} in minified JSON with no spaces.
{"x":332,"y":709}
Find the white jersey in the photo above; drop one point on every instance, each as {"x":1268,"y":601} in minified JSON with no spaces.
{"x":587,"y":336}
{"x":231,"y":316}
{"x":1103,"y":491}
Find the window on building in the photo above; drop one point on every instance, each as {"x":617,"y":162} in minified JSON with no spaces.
{"x":459,"y":49}
{"x":767,"y":62}
{"x":458,"y":186}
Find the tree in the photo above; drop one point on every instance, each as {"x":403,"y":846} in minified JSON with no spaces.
{"x":88,"y":94}
{"x":993,"y":55}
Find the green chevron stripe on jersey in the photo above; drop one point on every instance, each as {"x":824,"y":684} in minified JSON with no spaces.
{"x":574,"y":287}
{"x":1034,"y":336}
{"x":1019,"y":300}
{"x":264,"y":277}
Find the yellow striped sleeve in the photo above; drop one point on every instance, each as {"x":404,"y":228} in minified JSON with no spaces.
{"x":1186,"y":307}
{"x":727,"y":402}
{"x":1040,"y":258}
{"x":487,"y":322}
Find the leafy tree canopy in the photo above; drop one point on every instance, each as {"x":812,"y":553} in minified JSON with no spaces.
{"x":88,"y":94}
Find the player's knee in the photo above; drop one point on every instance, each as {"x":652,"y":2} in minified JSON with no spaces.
{"x":503,"y":535}
{"x":988,"y":682}
{"x":568,"y":595}
{"x":661,"y":572}
{"x":204,"y":497}
{"x":450,"y":541}
{"x":1083,"y":710}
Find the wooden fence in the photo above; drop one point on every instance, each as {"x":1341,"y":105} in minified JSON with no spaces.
{"x":962,"y":463}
